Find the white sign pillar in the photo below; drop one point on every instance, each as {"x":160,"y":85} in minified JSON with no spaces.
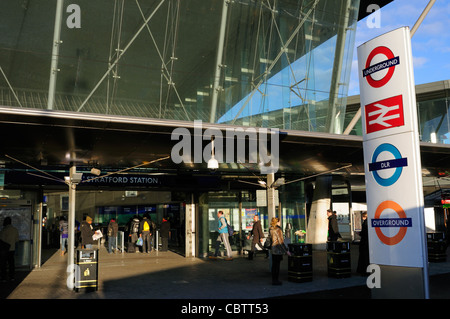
{"x":395,"y":203}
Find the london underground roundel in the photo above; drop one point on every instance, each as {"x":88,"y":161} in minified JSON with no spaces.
{"x":389,"y":63}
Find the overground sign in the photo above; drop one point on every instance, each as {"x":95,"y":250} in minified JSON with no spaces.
{"x":402,"y":223}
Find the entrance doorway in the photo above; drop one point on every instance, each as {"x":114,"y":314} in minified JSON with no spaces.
{"x":102,"y":206}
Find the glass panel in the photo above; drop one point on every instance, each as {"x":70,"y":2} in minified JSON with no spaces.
{"x":284,"y":56}
{"x":279,"y":59}
{"x":434,"y":121}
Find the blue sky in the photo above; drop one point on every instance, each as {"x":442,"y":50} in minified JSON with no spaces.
{"x":430,"y":44}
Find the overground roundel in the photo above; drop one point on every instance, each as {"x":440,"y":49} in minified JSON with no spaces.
{"x":390,"y":64}
{"x":401,"y":214}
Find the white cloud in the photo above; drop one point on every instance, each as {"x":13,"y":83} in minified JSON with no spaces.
{"x":419,"y":61}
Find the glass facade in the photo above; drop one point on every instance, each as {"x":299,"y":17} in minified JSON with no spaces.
{"x":261,"y":63}
{"x":275,"y":63}
{"x":432,"y":102}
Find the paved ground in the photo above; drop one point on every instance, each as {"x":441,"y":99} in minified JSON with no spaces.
{"x":167,"y":276}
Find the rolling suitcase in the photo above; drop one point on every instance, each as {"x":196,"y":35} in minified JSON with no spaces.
{"x":131,"y":248}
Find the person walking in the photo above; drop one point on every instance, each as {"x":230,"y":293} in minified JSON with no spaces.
{"x":165,"y":234}
{"x":9,"y":236}
{"x":146,"y":233}
{"x":278,"y":249}
{"x":223,"y":237}
{"x":363,"y":258}
{"x":113,"y":230}
{"x":64,"y":234}
{"x":133,"y":234}
{"x":333,"y":228}
{"x":87,"y":231}
{"x":258,"y":237}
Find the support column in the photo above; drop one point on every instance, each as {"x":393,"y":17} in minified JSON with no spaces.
{"x":271,"y":205}
{"x":217,"y":75}
{"x":332,"y":123}
{"x":55,"y":54}
{"x":190,"y":229}
{"x":317,"y":228}
{"x":71,"y":239}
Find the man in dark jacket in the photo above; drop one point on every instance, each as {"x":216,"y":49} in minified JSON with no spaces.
{"x":86,"y":233}
{"x":165,"y":234}
{"x":363,"y":258}
{"x":9,"y":236}
{"x":333,"y":228}
{"x":258,"y":237}
{"x":113,"y":230}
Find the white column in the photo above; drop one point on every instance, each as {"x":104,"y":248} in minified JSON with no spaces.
{"x":217,"y":75}
{"x":317,"y":228}
{"x":55,"y":54}
{"x":71,"y":239}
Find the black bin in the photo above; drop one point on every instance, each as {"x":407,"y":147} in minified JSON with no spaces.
{"x":437,"y":247}
{"x":86,"y":272}
{"x":300,"y":263}
{"x":338,"y":259}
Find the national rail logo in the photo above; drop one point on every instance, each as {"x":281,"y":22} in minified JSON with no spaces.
{"x":384,"y":114}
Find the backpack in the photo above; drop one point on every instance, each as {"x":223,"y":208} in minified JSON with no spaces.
{"x":135,"y":227}
{"x":230,"y":229}
{"x":146,"y":226}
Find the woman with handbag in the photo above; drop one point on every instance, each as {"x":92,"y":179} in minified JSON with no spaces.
{"x":278,"y":249}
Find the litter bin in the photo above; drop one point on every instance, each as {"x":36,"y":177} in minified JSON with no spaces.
{"x":86,"y":273}
{"x":300,"y":263}
{"x":338,"y":259}
{"x":437,"y":247}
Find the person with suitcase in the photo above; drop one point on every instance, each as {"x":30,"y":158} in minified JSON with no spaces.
{"x":133,"y":236}
{"x":258,"y":238}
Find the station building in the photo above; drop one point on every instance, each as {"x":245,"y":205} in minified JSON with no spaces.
{"x":101,"y":88}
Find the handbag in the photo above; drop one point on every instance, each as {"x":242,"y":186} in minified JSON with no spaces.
{"x":230,"y":230}
{"x":4,"y":246}
{"x":279,"y":249}
{"x":139,"y":242}
{"x":268,"y":243}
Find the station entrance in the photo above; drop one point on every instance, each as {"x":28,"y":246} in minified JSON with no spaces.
{"x":190,"y":207}
{"x":191,"y":214}
{"x":122,"y":206}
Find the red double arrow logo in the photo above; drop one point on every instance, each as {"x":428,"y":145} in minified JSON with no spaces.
{"x":384,"y":114}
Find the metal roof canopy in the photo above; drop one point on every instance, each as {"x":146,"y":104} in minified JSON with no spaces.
{"x":44,"y":139}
